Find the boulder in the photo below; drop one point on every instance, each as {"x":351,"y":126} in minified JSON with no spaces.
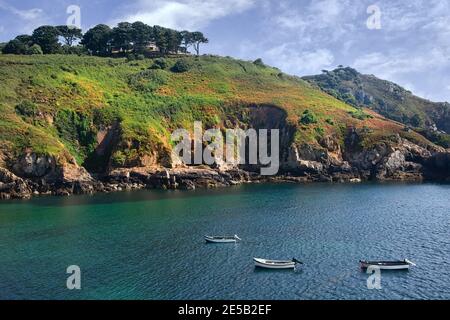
{"x":12,"y":186}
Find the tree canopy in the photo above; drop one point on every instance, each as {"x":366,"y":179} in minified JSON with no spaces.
{"x":98,"y":39}
{"x":47,"y":38}
{"x":70,"y":34}
{"x":14,"y":47}
{"x":102,"y":40}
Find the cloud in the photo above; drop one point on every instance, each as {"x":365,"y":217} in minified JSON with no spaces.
{"x":30,"y":14}
{"x":389,"y":65}
{"x":24,"y":21}
{"x":290,"y":60}
{"x":319,"y":20}
{"x":184,"y":14}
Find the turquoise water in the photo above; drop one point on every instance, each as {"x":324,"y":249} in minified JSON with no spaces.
{"x":149,"y":245}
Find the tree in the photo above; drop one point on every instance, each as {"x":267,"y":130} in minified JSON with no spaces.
{"x":25,"y":39}
{"x":186,"y":39}
{"x":70,"y":34}
{"x":47,"y":38}
{"x":98,"y":40}
{"x":14,"y":47}
{"x":174,"y":40}
{"x":142,"y":35}
{"x":258,"y":62}
{"x":159,"y":63}
{"x":417,"y":121}
{"x":122,"y":36}
{"x":34,"y":49}
{"x":78,"y":50}
{"x":197,"y":39}
{"x":181,"y":66}
{"x":160,"y":36}
{"x":308,"y":118}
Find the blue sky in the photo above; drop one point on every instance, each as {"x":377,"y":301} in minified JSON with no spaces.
{"x":300,"y":37}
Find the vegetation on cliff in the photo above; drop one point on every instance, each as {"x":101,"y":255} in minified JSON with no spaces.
{"x":388,"y":99}
{"x":64,"y":105}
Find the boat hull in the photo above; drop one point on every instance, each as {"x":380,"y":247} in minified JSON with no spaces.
{"x":266,"y":264}
{"x":385,"y":266}
{"x":217,"y":240}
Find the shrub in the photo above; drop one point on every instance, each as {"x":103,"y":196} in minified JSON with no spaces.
{"x":360,"y":115}
{"x":181,"y":66}
{"x":148,"y":80}
{"x":34,"y":49}
{"x":417,"y":121}
{"x":131,"y":57}
{"x":308,"y":118}
{"x":349,"y":99}
{"x":14,"y":47}
{"x":330,"y":121}
{"x":76,"y":127}
{"x":140,"y":57}
{"x":159,"y":63}
{"x":119,"y":158}
{"x":258,"y":62}
{"x":77,"y":50}
{"x":26,"y":108}
{"x":320,"y":131}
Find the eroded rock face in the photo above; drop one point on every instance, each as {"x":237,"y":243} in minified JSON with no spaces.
{"x":13,"y":187}
{"x":437,"y":167}
{"x":319,"y":163}
{"x":325,"y":161}
{"x":31,"y":165}
{"x":398,"y":159}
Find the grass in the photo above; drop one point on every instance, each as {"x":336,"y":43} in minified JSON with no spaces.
{"x":71,"y":98}
{"x":386,"y":98}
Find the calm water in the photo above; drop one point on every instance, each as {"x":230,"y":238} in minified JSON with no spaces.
{"x":149,"y":245}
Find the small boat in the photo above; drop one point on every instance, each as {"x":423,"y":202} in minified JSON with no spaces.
{"x":232,"y":239}
{"x":387,"y":265}
{"x":276,"y":264}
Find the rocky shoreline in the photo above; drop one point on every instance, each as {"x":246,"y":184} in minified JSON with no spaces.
{"x":34,"y":175}
{"x":14,"y":187}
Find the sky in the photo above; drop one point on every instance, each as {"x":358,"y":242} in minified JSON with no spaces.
{"x":407,"y":42}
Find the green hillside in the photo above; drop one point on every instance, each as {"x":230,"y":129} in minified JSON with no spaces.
{"x":388,"y":99}
{"x":60,"y":105}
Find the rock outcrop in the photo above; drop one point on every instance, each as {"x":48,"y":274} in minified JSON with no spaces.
{"x":327,"y":161}
{"x":13,"y":187}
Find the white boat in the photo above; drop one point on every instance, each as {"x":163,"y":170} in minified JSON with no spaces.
{"x":225,"y":239}
{"x":276,"y":264}
{"x":387,"y":265}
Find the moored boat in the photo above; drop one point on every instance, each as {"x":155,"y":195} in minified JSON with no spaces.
{"x":387,"y":265}
{"x":222,"y":239}
{"x":276,"y":264}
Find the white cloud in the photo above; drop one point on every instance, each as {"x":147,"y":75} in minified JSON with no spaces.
{"x":184,"y":14}
{"x":30,"y":14}
{"x":323,"y":20}
{"x":28,"y":19}
{"x":291,"y":60}
{"x":389,"y":65}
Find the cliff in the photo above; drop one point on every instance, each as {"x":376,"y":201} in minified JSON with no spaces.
{"x":76,"y":125}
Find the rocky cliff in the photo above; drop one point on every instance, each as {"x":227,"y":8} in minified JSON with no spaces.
{"x":78,"y":125}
